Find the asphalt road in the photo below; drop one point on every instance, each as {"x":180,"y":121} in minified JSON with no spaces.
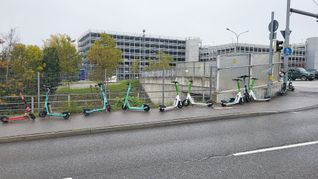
{"x":202,"y":150}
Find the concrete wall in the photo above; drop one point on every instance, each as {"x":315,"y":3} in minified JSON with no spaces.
{"x":222,"y":86}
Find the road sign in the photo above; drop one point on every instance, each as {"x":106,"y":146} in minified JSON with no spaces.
{"x":287,"y":51}
{"x":275,"y":26}
{"x":284,"y":33}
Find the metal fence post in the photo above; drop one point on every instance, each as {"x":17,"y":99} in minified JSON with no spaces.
{"x":163,"y":88}
{"x":32,"y":104}
{"x":69,"y":100}
{"x":39,"y":91}
{"x":210,"y":90}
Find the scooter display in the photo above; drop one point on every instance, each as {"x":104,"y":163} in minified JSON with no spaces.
{"x":106,"y":106}
{"x":47,"y":111}
{"x":177,"y":103}
{"x":189,"y":100}
{"x":127,"y":106}
{"x":252,"y":94}
{"x":238,"y":98}
{"x":27,"y":113}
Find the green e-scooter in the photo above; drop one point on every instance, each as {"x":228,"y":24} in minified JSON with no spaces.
{"x":47,"y":111}
{"x":252,"y":95}
{"x":177,"y":103}
{"x":238,"y":98}
{"x":190,"y":100}
{"x":127,"y":106}
{"x":106,"y":106}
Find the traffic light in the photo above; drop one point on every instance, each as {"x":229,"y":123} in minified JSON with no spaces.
{"x":278,"y":46}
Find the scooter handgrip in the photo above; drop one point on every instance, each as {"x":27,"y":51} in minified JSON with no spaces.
{"x":174,"y":82}
{"x":254,"y":78}
{"x":244,"y":76}
{"x":236,"y":79}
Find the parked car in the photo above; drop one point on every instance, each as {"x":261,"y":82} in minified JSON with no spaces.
{"x":300,"y":73}
{"x":313,"y":71}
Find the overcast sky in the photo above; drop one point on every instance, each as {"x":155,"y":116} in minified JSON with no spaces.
{"x":35,"y":20}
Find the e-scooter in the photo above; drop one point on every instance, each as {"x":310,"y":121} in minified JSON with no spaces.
{"x":252,"y":94}
{"x":190,"y":100}
{"x":27,"y":112}
{"x":106,"y":106}
{"x":287,"y":84}
{"x":127,"y":106}
{"x":238,"y":98}
{"x":177,"y":103}
{"x":47,"y":111}
{"x":246,"y":95}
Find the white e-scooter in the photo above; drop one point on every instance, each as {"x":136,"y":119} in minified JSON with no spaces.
{"x":177,"y":103}
{"x":190,"y":100}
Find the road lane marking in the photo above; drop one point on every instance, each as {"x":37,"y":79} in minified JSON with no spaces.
{"x":275,"y":148}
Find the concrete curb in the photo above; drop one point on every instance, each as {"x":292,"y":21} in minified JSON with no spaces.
{"x":144,"y":125}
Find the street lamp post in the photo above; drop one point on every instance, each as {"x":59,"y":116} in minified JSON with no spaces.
{"x":237,"y":37}
{"x":143,"y":51}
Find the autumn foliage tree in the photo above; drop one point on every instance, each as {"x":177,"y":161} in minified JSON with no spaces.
{"x":105,"y":56}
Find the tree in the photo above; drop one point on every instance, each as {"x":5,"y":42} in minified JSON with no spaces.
{"x":162,"y":64}
{"x":135,"y":67}
{"x":26,"y":62}
{"x":69,"y":59}
{"x":52,"y":67}
{"x":10,"y":39}
{"x":105,"y":56}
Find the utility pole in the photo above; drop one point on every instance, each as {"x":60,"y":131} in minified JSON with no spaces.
{"x":286,"y":43}
{"x":270,"y":61}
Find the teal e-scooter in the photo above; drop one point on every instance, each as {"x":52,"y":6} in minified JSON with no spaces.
{"x":177,"y":103}
{"x":127,"y":106}
{"x":189,"y":100}
{"x":238,"y":98}
{"x":106,"y":106}
{"x":47,"y":111}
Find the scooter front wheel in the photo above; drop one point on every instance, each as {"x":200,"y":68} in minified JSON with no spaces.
{"x":179,"y":105}
{"x":146,"y":107}
{"x":42,"y":114}
{"x":66,"y":115}
{"x":186,"y":102}
{"x":4,"y":119}
{"x":108,"y":108}
{"x":124,"y":107}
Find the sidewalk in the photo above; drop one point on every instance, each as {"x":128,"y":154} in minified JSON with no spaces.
{"x":305,"y":97}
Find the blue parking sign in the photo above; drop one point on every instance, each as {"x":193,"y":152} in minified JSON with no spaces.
{"x":287,"y":51}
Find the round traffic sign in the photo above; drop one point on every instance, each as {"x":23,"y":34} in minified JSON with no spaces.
{"x":275,"y":27}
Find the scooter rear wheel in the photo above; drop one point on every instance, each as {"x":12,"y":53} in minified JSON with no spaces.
{"x":85,"y":112}
{"x":32,"y":116}
{"x":4,"y":119}
{"x":186,"y":102}
{"x":66,"y":115}
{"x":146,"y":107}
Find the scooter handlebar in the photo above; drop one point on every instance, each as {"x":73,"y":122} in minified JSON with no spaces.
{"x":236,"y":79}
{"x":244,"y":76}
{"x":254,"y":78}
{"x":174,"y":82}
